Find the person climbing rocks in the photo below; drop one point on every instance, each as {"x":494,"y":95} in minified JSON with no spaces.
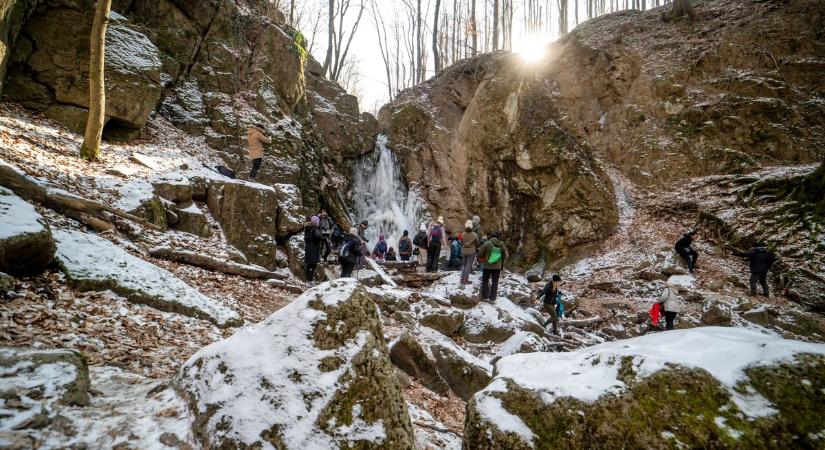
{"x":670,"y":304}
{"x":492,"y":254}
{"x":435,"y":237}
{"x":550,"y":296}
{"x":684,"y":248}
{"x":312,"y":250}
{"x":761,"y":260}
{"x":469,"y":251}
{"x":405,"y":246}
{"x":421,"y":243}
{"x":391,"y":255}
{"x":327,"y":227}
{"x":349,"y":252}
{"x":380,"y":249}
{"x":256,"y":138}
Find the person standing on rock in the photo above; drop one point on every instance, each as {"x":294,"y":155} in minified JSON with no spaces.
{"x":256,"y":138}
{"x":349,"y":252}
{"x":469,"y":250}
{"x":327,"y":226}
{"x":761,"y":259}
{"x":550,"y":296}
{"x":420,"y":243}
{"x":670,"y":304}
{"x":380,"y":249}
{"x":405,"y":246}
{"x":684,"y":248}
{"x":362,"y":234}
{"x":435,"y":236}
{"x":312,"y":247}
{"x":492,"y":254}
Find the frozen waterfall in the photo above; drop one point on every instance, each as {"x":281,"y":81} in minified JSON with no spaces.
{"x":382,"y":198}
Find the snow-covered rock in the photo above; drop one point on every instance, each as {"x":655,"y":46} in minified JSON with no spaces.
{"x":734,"y":387}
{"x":446,"y":320}
{"x":497,"y":322}
{"x":314,"y":375}
{"x":93,"y":263}
{"x":26,"y":244}
{"x":416,"y":359}
{"x":35,"y":381}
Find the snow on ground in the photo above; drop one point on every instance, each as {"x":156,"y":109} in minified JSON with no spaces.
{"x":430,"y":433}
{"x":17,"y":216}
{"x":88,"y":257}
{"x":280,"y":354}
{"x":592,"y":372}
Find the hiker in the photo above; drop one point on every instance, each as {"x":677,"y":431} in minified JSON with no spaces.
{"x":477,"y":226}
{"x":455,"y":251}
{"x":349,"y":252}
{"x":670,"y":304}
{"x":337,"y":236}
{"x":684,"y":247}
{"x":420,"y":243}
{"x":256,"y":137}
{"x":327,"y":227}
{"x":405,"y":246}
{"x":550,"y":296}
{"x":492,"y":254}
{"x":312,"y":251}
{"x":391,"y":255}
{"x":434,"y":237}
{"x":761,"y":259}
{"x":380,"y":248}
{"x":469,"y":250}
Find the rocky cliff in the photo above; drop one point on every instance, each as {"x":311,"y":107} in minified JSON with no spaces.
{"x":520,"y":143}
{"x":210,"y":68}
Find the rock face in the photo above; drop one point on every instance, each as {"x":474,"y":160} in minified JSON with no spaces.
{"x":752,"y":391}
{"x":480,"y":137}
{"x":35,"y":381}
{"x":93,"y":263}
{"x":315,"y":374}
{"x":26,"y":244}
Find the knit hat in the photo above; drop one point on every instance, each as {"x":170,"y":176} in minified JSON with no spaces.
{"x":353,"y":230}
{"x":406,"y":232}
{"x":315,"y":220}
{"x":423,"y":227}
{"x":381,"y":237}
{"x":440,"y":220}
{"x":556,"y":277}
{"x":476,"y":219}
{"x":497,"y":234}
{"x":364,"y":223}
{"x":468,"y":224}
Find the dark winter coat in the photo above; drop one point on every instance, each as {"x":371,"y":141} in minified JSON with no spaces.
{"x":362,"y":233}
{"x":487,"y":248}
{"x":761,"y":259}
{"x":326,"y":226}
{"x":548,"y":295}
{"x":312,"y":244}
{"x":684,"y":243}
{"x":421,"y":239}
{"x":409,"y":246}
{"x":354,"y":243}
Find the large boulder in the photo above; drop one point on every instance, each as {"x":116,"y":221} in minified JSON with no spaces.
{"x":733,"y":387}
{"x":36,"y":381}
{"x":464,"y":373}
{"x":315,"y":374}
{"x":55,"y":55}
{"x":497,"y":322}
{"x":26,"y":244}
{"x":254,"y":216}
{"x":93,"y":263}
{"x":448,"y":321}
{"x":409,"y":355}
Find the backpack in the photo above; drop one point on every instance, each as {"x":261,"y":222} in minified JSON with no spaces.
{"x":420,"y":239}
{"x":225,"y":171}
{"x":404,"y":247}
{"x":495,"y":255}
{"x":455,"y":247}
{"x":436,"y":232}
{"x":345,"y":250}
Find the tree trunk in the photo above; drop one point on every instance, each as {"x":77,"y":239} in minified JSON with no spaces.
{"x":436,"y":57}
{"x":474,"y":26}
{"x":330,"y":34}
{"x":495,"y":24}
{"x":90,"y":150}
{"x":681,"y":8}
{"x":562,"y":17}
{"x":418,"y":38}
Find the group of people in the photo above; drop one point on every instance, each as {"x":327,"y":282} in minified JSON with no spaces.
{"x":760,"y":260}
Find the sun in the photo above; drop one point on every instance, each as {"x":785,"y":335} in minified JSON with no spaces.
{"x":532,"y":50}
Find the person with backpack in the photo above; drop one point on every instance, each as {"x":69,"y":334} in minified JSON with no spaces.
{"x":380,"y":249}
{"x":256,"y":138}
{"x":434,"y":237}
{"x":469,"y":251}
{"x":670,"y":304}
{"x":455,"y":252}
{"x":761,"y":259}
{"x":327,"y":226}
{"x":405,"y":246}
{"x":391,"y":255}
{"x":492,"y":255}
{"x":349,"y":252}
{"x":550,"y":296}
{"x":421,"y":243}
{"x":684,"y":248}
{"x":312,"y":248}
{"x":362,"y":234}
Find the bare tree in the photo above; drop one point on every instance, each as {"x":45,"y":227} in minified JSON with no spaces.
{"x":495,"y":24}
{"x":330,"y":34}
{"x":90,"y":149}
{"x":681,"y":8}
{"x":473,"y":28}
{"x":436,"y":58}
